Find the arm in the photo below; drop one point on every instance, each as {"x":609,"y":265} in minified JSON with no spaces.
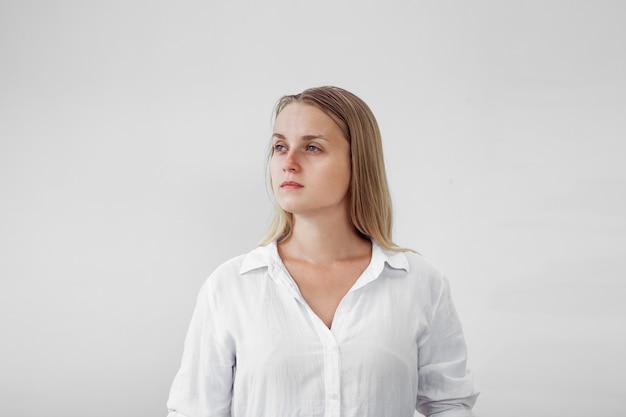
{"x":203,"y":385}
{"x":445,"y":384}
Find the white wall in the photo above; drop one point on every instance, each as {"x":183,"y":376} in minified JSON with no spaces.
{"x":132,"y":144}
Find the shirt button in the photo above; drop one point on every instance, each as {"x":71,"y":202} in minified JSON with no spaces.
{"x":333,"y":397}
{"x":333,"y":348}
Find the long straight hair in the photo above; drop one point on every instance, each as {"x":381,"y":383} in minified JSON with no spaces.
{"x":369,"y":198}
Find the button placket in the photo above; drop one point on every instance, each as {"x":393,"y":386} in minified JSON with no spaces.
{"x":332,"y":366}
{"x":332,"y":371}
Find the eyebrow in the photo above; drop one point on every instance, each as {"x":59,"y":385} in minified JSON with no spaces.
{"x":305,"y":137}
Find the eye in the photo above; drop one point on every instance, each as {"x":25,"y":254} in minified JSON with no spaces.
{"x":279,"y":147}
{"x":312,"y":148}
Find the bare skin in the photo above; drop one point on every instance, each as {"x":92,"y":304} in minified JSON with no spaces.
{"x":310,"y":171}
{"x":324,"y":281}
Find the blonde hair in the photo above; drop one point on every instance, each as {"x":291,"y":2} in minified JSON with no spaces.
{"x":370,"y":201}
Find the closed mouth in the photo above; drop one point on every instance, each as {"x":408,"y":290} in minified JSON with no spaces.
{"x":290,"y":184}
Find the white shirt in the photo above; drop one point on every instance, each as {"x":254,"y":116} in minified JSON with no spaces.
{"x":256,"y":349}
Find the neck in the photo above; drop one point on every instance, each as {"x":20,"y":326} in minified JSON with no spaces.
{"x":323,"y":240}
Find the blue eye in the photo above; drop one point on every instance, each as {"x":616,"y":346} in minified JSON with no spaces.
{"x":312,"y":148}
{"x":279,"y":148}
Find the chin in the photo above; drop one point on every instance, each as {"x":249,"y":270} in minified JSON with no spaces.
{"x":291,"y":205}
{"x":291,"y":208}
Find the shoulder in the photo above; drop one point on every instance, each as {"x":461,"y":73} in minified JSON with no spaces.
{"x":422,"y":273}
{"x":428,"y":285}
{"x":229,"y":268}
{"x":414,"y":264}
{"x":421,"y":266}
{"x":231,"y":272}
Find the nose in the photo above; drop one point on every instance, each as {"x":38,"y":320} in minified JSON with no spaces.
{"x":290,"y":162}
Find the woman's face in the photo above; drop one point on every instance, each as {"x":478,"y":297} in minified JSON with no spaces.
{"x":310,"y":165}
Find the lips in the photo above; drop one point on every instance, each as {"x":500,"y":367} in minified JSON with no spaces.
{"x":290,"y":184}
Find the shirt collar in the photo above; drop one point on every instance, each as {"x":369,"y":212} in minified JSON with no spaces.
{"x":264,"y":256}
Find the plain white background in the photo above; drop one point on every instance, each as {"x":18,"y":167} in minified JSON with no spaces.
{"x":133,"y":137}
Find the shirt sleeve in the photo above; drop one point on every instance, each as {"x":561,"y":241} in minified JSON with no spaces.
{"x":445,"y":386}
{"x":203,"y":385}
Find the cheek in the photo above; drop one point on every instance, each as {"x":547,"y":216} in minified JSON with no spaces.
{"x":340,"y":177}
{"x":344,"y":172}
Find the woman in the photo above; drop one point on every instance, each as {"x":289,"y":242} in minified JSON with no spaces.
{"x":327,"y":317}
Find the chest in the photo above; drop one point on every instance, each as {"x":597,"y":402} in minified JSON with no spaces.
{"x":374,"y":337}
{"x":323,"y":287}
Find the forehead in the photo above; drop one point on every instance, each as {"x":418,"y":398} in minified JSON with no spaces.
{"x":301,"y":118}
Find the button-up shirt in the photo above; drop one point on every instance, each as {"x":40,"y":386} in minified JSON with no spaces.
{"x":255,"y":348}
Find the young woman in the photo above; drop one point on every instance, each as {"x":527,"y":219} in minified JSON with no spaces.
{"x":327,"y":317}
